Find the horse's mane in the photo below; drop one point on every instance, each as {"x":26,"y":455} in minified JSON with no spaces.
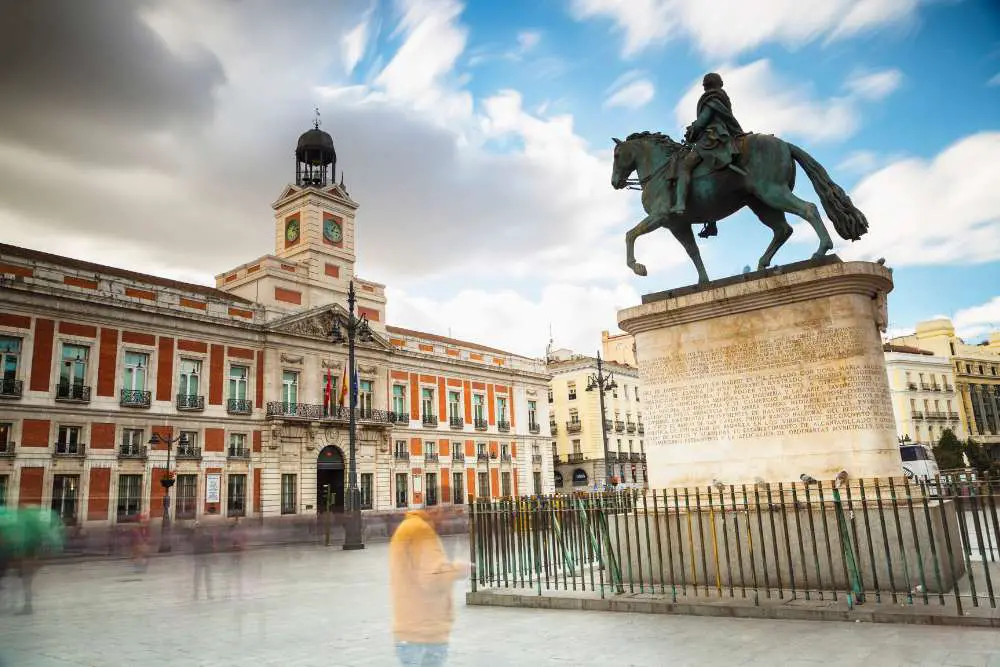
{"x":656,"y":137}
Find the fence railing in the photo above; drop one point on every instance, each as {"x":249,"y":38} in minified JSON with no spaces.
{"x":932,"y":543}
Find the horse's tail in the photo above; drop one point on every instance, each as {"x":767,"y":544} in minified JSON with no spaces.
{"x":849,"y":222}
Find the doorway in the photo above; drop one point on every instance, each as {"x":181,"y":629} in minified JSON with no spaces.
{"x":330,"y":480}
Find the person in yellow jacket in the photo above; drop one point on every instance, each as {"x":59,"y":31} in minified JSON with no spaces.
{"x":421,"y":577}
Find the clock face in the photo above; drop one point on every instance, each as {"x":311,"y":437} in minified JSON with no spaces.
{"x":331,"y":231}
{"x":292,"y":230}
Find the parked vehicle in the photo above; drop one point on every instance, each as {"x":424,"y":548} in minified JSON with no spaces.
{"x":919,"y":464}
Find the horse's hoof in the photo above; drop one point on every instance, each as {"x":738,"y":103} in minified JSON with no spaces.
{"x":762,"y":265}
{"x":640,"y":269}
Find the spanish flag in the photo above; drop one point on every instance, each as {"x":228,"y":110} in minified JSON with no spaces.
{"x":328,"y":392}
{"x":342,"y":397}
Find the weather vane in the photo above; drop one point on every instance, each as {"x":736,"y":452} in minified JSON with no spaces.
{"x":316,"y":122}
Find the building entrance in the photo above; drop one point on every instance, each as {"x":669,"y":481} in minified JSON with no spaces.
{"x":330,"y":480}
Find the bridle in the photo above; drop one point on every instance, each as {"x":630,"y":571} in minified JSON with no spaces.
{"x":639,"y":183}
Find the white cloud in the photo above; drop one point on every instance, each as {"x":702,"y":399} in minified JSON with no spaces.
{"x":726,"y":28}
{"x":630,"y":91}
{"x":860,"y":162}
{"x":874,"y":85}
{"x":994,"y":80}
{"x":940,"y":211}
{"x":528,"y":40}
{"x":978,"y":320}
{"x":356,"y":40}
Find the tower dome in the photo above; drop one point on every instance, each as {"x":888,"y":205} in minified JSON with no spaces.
{"x":315,"y":157}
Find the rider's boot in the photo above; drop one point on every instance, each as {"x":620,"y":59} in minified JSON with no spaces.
{"x":710,"y":229}
{"x":680,"y":200}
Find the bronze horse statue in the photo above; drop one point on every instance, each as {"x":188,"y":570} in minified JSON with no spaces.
{"x":763,"y":182}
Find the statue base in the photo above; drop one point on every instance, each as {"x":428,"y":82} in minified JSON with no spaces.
{"x":767,"y":376}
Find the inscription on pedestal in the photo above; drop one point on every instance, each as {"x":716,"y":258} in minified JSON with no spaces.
{"x":814,"y":381}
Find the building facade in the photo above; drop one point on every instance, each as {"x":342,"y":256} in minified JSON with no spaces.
{"x":619,"y":348}
{"x":96,"y":360}
{"x":925,"y":401}
{"x":976,"y":372}
{"x":578,"y":428}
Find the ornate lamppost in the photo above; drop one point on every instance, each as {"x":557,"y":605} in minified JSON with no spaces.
{"x":166,"y":482}
{"x":357,"y":328}
{"x":603,"y":383}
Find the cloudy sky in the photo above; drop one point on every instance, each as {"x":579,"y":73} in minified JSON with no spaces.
{"x":153,"y":135}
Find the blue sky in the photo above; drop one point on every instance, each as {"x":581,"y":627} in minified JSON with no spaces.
{"x":476,"y":137}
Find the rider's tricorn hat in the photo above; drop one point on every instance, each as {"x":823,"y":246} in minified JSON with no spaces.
{"x":712,"y":80}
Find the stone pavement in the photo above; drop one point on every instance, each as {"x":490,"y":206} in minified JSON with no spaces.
{"x":313,"y":606}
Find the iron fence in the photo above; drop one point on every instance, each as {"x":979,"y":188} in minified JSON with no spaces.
{"x":931,"y":543}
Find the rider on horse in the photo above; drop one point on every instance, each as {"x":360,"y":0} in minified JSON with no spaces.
{"x":712,"y":137}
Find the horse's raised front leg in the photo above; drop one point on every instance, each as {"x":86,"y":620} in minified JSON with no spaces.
{"x":684,"y":233}
{"x":648,"y":224}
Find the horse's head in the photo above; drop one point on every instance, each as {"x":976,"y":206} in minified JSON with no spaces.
{"x":640,"y":150}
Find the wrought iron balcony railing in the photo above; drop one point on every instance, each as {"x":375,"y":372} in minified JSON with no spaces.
{"x":576,"y":457}
{"x":574,"y":426}
{"x":457,"y":456}
{"x":505,"y":458}
{"x":503,"y":427}
{"x":456,"y":422}
{"x":925,"y":386}
{"x":189,"y":452}
{"x":311,"y":411}
{"x":239,"y":406}
{"x":634,"y":457}
{"x":293,"y":410}
{"x":431,"y":458}
{"x":480,"y":424}
{"x":238,"y":453}
{"x":70,"y":449}
{"x":429,"y":420}
{"x":613,"y":457}
{"x":953,"y":416}
{"x":190,"y":402}
{"x":935,"y":387}
{"x":132,"y":452}
{"x":483,"y":457}
{"x":912,"y":386}
{"x":401,"y":417}
{"x":619,"y":427}
{"x":135,"y":398}
{"x":73,"y":393}
{"x":533,"y":427}
{"x":401,"y":456}
{"x":630,"y":427}
{"x":553,"y":428}
{"x":7,"y":449}
{"x":536,"y":459}
{"x":641,"y":428}
{"x":608,"y":425}
{"x":947,"y":387}
{"x":11,"y":388}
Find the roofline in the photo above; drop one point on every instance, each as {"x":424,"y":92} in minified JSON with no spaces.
{"x":452,"y":341}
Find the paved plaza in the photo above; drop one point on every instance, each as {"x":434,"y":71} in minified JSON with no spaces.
{"x":317,"y":606}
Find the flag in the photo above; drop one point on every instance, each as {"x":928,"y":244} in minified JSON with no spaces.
{"x":357,"y":387}
{"x":342,"y":399}
{"x":328,"y":391}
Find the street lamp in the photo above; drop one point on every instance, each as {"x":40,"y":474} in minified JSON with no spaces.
{"x":603,"y":383}
{"x":357,"y":328}
{"x":166,"y":482}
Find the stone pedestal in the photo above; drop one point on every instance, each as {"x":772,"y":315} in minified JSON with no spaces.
{"x":767,"y":376}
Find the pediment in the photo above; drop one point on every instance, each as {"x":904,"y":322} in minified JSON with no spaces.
{"x":288,"y":192}
{"x":317,"y":323}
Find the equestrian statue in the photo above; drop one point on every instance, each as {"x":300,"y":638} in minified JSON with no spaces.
{"x":717,"y":171}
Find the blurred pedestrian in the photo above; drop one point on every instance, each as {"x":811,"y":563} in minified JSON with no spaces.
{"x":203,"y":550}
{"x":421,"y":577}
{"x":237,"y":545}
{"x":140,"y":544}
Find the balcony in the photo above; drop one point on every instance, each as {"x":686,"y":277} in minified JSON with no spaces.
{"x":534,"y":428}
{"x":630,"y":427}
{"x":505,"y":458}
{"x":917,"y":414}
{"x":553,"y":429}
{"x":70,"y":449}
{"x":935,"y":387}
{"x":134,"y":398}
{"x":313,"y":412}
{"x":536,"y":459}
{"x":480,"y":424}
{"x":608,"y":425}
{"x":132,"y":452}
{"x":430,"y":421}
{"x":556,"y":459}
{"x":576,"y":457}
{"x":574,"y":426}
{"x":239,"y":406}
{"x":619,"y":427}
{"x":503,"y":427}
{"x":238,"y":453}
{"x":189,"y":453}
{"x":925,"y":386}
{"x":458,"y":456}
{"x":456,"y":422}
{"x":401,"y":418}
{"x":640,"y":427}
{"x":190,"y":403}
{"x":953,"y":416}
{"x":293,"y":410}
{"x":72,"y":393}
{"x":937,"y":415}
{"x":401,"y":456}
{"x":482,"y":457}
{"x":634,"y":457}
{"x":431,"y":457}
{"x":7,"y":449}
{"x":912,"y":386}
{"x":11,"y":388}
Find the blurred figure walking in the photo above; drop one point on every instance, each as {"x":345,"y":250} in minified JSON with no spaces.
{"x":139,"y":536}
{"x":203,"y":549}
{"x":421,"y":577}
{"x":237,"y":545}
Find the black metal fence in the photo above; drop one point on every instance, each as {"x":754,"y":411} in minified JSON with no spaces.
{"x":931,"y":543}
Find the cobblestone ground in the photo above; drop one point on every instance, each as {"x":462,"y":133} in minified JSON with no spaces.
{"x":316,"y":606}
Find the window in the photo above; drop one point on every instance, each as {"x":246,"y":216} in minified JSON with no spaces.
{"x":65,"y":492}
{"x":399,"y":399}
{"x":574,"y":416}
{"x":483,"y":488}
{"x":454,"y":406}
{"x":367,"y":490}
{"x":913,"y":405}
{"x":625,"y":391}
{"x":238,"y":382}
{"x":192,"y":442}
{"x":427,"y":401}
{"x":501,"y":408}
{"x":504,"y":450}
{"x":69,"y":440}
{"x":136,"y":366}
{"x":532,"y":414}
{"x":914,"y":453}
{"x":290,"y":388}
{"x":430,"y":448}
{"x":366,"y":393}
{"x":236,"y":495}
{"x":190,"y":379}
{"x":3,"y":490}
{"x":551,"y":399}
{"x":6,"y":436}
{"x":576,"y":447}
{"x":571,"y":389}
{"x":535,"y":450}
{"x":431,"y":479}
{"x":73,"y":371}
{"x":457,"y":486}
{"x":288,"y":495}
{"x":131,"y":437}
{"x":129,"y":496}
{"x":187,"y":496}
{"x":636,"y":393}
{"x":619,"y":445}
{"x":238,"y":444}
{"x":401,"y":449}
{"x":478,"y":408}
{"x":505,"y":484}
{"x":481,"y":449}
{"x":629,"y":446}
{"x":402,"y":491}
{"x":536,"y":483}
{"x":10,"y":355}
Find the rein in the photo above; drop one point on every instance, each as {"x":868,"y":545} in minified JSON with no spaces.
{"x":639,"y":183}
